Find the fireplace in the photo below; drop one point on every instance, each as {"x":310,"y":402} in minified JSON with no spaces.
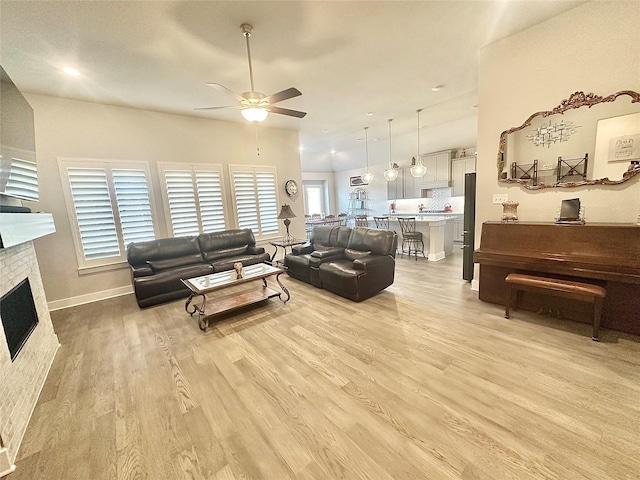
{"x":28,"y":345}
{"x":19,"y":316}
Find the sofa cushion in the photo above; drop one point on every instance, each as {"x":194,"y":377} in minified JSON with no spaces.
{"x":138,"y":253}
{"x":216,"y":241}
{"x":168,"y":281}
{"x":170,"y":263}
{"x":215,"y":255}
{"x":352,"y":254}
{"x":226,"y":263}
{"x":378,"y":242}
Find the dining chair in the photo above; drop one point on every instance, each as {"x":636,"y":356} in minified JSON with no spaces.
{"x":411,"y":239}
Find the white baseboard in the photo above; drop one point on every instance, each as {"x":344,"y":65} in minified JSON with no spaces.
{"x":475,"y":285}
{"x":88,"y":298}
{"x":6,"y":467}
{"x":435,"y":257}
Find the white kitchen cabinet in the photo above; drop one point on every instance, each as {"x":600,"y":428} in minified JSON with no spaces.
{"x":405,"y":186}
{"x":459,"y":167}
{"x":438,"y":170}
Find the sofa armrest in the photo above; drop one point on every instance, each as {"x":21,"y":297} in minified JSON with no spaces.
{"x":372,"y":261}
{"x":329,"y":252}
{"x":255,"y":250}
{"x":302,"y":249}
{"x":142,"y":271}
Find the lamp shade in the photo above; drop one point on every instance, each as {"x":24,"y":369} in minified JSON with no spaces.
{"x":254,"y":114}
{"x":390,"y":174}
{"x":286,"y":212}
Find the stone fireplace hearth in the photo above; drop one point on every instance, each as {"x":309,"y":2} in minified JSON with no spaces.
{"x":22,"y":380}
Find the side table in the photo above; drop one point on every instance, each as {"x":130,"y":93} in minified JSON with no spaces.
{"x":284,"y":245}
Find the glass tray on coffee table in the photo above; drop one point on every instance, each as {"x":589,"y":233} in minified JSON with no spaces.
{"x":205,"y":285}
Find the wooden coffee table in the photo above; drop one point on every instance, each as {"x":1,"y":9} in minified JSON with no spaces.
{"x":215,"y":305}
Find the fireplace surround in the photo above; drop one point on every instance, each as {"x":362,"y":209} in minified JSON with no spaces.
{"x":22,"y":379}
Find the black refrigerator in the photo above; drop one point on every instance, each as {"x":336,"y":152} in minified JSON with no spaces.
{"x":468,"y":243}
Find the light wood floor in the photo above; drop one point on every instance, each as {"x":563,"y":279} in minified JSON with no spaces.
{"x":422,"y":381}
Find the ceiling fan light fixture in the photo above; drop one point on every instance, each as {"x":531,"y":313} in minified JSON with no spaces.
{"x":254,"y":114}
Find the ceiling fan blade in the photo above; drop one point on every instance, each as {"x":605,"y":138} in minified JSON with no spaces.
{"x":286,"y":111}
{"x":225,"y":89}
{"x":218,"y":108}
{"x":283,"y":95}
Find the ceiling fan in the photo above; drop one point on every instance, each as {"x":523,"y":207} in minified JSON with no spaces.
{"x":255,"y":106}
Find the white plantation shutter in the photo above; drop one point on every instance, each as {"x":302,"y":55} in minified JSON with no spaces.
{"x":23,"y":179}
{"x":246,"y":201}
{"x":209,"y":189}
{"x":182,"y":202}
{"x":94,"y":214}
{"x":132,"y":195}
{"x":194,"y":197}
{"x":267,"y":202}
{"x":256,"y":199}
{"x":110,"y":204}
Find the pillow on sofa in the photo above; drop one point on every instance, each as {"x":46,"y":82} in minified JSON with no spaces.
{"x":355,"y":254}
{"x":227,"y":252}
{"x":169,"y":263}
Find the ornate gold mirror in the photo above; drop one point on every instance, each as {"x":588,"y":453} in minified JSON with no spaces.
{"x":586,"y":140}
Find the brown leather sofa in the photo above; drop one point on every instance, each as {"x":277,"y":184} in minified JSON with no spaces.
{"x":158,"y":265}
{"x":353,"y":263}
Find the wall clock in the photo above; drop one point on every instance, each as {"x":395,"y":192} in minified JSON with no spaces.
{"x":291,"y":187}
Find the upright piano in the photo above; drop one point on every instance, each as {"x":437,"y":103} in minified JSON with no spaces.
{"x":603,"y":254}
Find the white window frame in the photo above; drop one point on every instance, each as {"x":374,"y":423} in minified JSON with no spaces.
{"x":93,"y":265}
{"x":260,"y":234}
{"x":193,"y":168}
{"x":324,"y":200}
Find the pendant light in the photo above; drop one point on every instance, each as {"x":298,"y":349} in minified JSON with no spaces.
{"x":418,"y":170}
{"x":367,"y":177}
{"x":391,"y":173}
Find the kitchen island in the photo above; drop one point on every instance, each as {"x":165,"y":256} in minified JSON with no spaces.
{"x":437,"y":232}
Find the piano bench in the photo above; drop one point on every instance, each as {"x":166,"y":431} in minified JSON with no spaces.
{"x":558,"y":288}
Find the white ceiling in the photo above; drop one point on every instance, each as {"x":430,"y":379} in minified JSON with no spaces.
{"x":347,"y":59}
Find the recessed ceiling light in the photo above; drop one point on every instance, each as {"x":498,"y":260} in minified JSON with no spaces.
{"x":474,"y":106}
{"x":437,"y":88}
{"x":325,"y":130}
{"x":370,"y":114}
{"x":333,"y":151}
{"x":300,"y":148}
{"x":72,"y":72}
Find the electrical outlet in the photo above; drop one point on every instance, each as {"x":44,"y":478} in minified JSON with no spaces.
{"x":500,"y":198}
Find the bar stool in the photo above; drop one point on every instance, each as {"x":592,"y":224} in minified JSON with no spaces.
{"x":411,"y":240}
{"x":382,"y":222}
{"x":361,"y":221}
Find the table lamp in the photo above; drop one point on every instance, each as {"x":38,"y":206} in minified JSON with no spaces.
{"x":286,"y":213}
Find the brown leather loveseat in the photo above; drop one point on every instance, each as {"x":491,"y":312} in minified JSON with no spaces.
{"x":353,"y":263}
{"x":158,"y":265}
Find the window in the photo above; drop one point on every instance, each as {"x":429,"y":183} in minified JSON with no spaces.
{"x":314,"y":196}
{"x":255,"y":198}
{"x":109,"y":205}
{"x":194,"y":198}
{"x":22,"y":173}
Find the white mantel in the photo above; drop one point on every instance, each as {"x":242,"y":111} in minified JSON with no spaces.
{"x":16,"y":228}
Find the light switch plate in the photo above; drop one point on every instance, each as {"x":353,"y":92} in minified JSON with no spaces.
{"x":500,"y":198}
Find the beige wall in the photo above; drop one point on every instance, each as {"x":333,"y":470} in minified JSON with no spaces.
{"x":75,"y":129}
{"x":592,"y":48}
